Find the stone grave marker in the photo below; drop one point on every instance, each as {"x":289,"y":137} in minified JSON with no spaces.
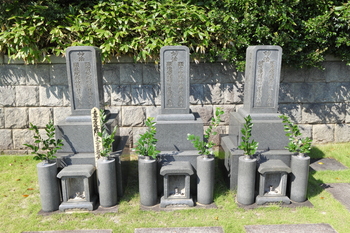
{"x":86,"y":92}
{"x":85,"y":79}
{"x":175,"y":82}
{"x":173,"y":124}
{"x":273,"y":162}
{"x":175,"y":120}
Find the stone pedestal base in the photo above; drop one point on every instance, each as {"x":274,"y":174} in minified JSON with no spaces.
{"x":79,"y":205}
{"x":172,"y":133}
{"x":164,"y":202}
{"x":76,"y":132}
{"x":260,"y":200}
{"x":268,"y":130}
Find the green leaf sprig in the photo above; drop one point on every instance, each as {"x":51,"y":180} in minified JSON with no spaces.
{"x":248,"y":147}
{"x":204,"y":147}
{"x":106,"y":138}
{"x":296,"y":143}
{"x":45,"y":149}
{"x":146,"y":144}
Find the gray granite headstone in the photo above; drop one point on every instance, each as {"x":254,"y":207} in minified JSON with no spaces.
{"x":261,"y":88}
{"x":261,"y":91}
{"x":175,"y":120}
{"x":86,"y":91}
{"x":175,"y":81}
{"x":85,"y":79}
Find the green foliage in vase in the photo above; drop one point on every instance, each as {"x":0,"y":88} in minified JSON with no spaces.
{"x":45,"y":149}
{"x":204,"y":147}
{"x":249,"y":147}
{"x":146,"y":144}
{"x":107,"y":138}
{"x":296,"y":142}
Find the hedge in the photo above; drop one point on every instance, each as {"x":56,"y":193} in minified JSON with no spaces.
{"x":307,"y":30}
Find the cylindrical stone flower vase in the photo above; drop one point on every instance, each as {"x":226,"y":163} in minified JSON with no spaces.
{"x":246,"y":181}
{"x":48,"y":186}
{"x":205,"y":179}
{"x":299,"y":178}
{"x":107,"y":182}
{"x":147,"y":169}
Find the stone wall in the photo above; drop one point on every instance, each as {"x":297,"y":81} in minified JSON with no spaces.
{"x":318,"y":100}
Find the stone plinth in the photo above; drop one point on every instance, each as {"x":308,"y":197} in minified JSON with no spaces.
{"x":172,"y":134}
{"x":78,"y":182}
{"x":273,"y":182}
{"x":177,"y":184}
{"x":268,"y":130}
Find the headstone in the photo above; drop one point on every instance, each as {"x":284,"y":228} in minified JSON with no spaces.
{"x":175,"y":82}
{"x":263,"y":69}
{"x":175,"y":122}
{"x":261,"y":91}
{"x":86,"y":92}
{"x":85,"y":79}
{"x":175,"y":114}
{"x":78,"y":130}
{"x":261,"y":88}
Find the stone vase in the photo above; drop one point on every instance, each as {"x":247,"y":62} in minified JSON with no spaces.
{"x":205,"y":179}
{"x":246,"y":180}
{"x":48,"y":186}
{"x":299,"y":178}
{"x":107,"y":182}
{"x":147,"y":169}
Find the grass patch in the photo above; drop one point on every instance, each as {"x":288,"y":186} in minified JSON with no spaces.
{"x":20,"y":203}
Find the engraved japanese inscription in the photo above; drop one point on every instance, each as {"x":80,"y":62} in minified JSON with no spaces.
{"x":175,"y":79}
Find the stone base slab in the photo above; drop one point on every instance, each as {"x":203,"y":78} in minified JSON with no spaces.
{"x":292,"y":228}
{"x":269,"y":132}
{"x":180,"y":229}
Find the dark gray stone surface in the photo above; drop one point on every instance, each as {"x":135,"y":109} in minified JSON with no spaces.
{"x":341,"y":192}
{"x":181,"y":229}
{"x":147,"y":169}
{"x":246,"y":181}
{"x":180,"y":167}
{"x":84,"y":79}
{"x":300,"y":228}
{"x":299,"y":178}
{"x":107,"y":182}
{"x":175,"y":81}
{"x":262,"y":78}
{"x":268,"y":130}
{"x":326,"y":164}
{"x":172,"y":135}
{"x":49,"y":186}
{"x":205,"y":180}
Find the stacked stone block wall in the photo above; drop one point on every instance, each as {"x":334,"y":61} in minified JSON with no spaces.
{"x":318,"y":100}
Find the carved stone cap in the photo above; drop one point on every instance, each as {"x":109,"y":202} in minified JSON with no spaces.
{"x":274,"y":165}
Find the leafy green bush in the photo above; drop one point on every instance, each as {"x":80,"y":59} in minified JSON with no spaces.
{"x":307,"y":30}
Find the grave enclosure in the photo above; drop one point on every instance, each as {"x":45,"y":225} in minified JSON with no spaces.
{"x":184,"y":107}
{"x":180,"y":175}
